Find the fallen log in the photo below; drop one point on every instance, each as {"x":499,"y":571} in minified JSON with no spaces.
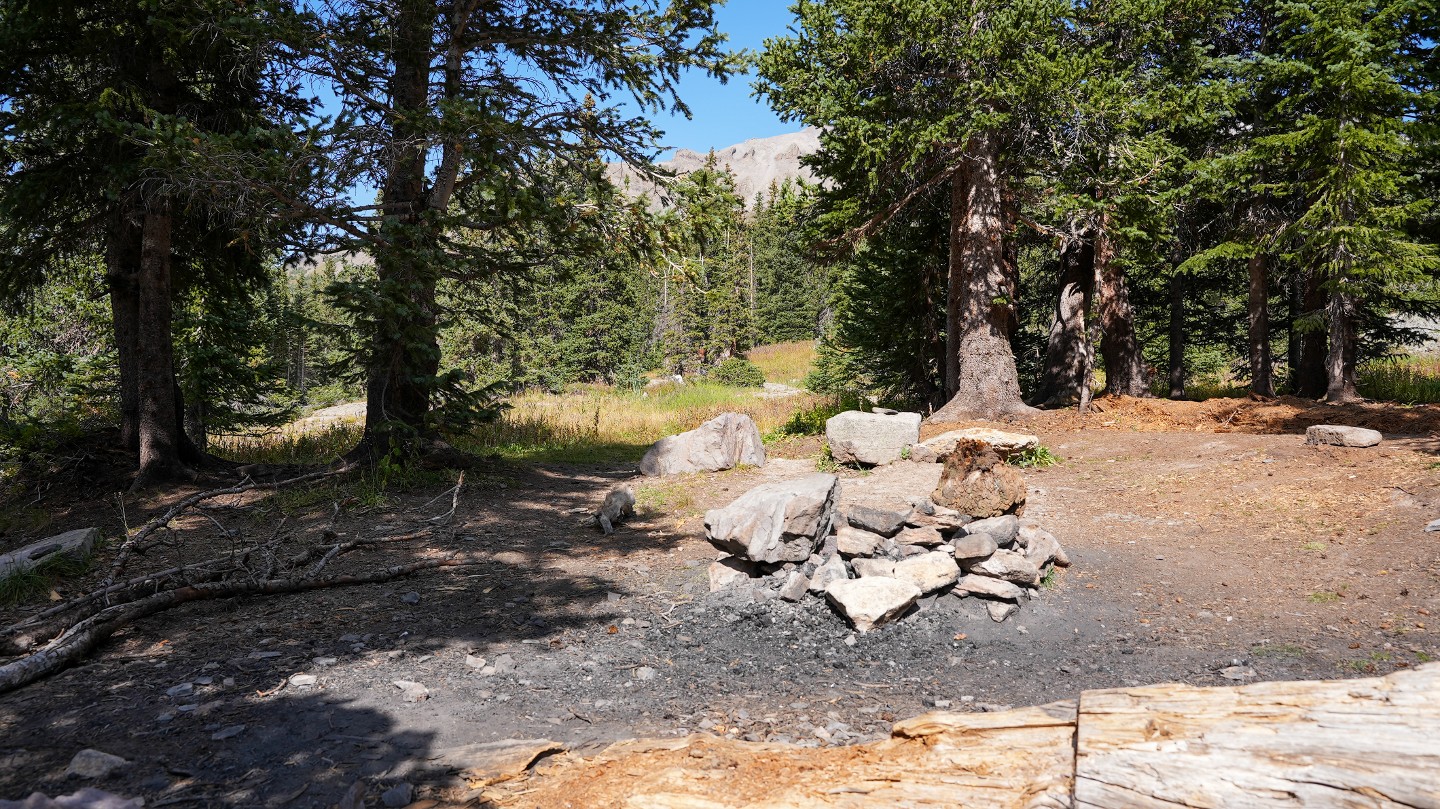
{"x":1348,"y":743}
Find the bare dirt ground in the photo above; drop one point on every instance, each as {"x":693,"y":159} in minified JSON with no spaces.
{"x":1196,"y":548}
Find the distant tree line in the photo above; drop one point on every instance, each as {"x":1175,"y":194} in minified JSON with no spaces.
{"x":1034,"y":192}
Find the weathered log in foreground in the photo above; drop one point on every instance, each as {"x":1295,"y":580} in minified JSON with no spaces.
{"x":1350,"y":743}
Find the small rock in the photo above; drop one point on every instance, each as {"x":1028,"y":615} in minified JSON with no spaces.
{"x":1008,"y":565}
{"x":504,"y":664}
{"x":646,"y":673}
{"x":851,"y":541}
{"x":929,"y":572}
{"x":1432,"y":527}
{"x":987,"y":586}
{"x":303,"y":680}
{"x":181,"y":690}
{"x":975,"y":547}
{"x":1000,"y":610}
{"x":411,"y":597}
{"x":873,"y":601}
{"x":227,"y":733}
{"x":1240,"y":672}
{"x":412,"y":691}
{"x":398,"y":796}
{"x":928,"y":537}
{"x":728,"y":572}
{"x":94,"y":764}
{"x":795,"y":586}
{"x":830,"y":571}
{"x":875,"y":520}
{"x":475,"y":662}
{"x":1340,"y":436}
{"x":263,"y":655}
{"x":1002,"y":529}
{"x":873,"y":567}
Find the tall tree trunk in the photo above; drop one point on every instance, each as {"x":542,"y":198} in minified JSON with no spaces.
{"x":1340,"y":362}
{"x":159,"y":434}
{"x":1177,"y":336}
{"x":405,"y":342}
{"x":1063,"y":376}
{"x":1124,"y":365}
{"x":1309,"y":373}
{"x":122,"y":268}
{"x":1261,"y":375}
{"x":955,"y":284}
{"x":986,"y":382}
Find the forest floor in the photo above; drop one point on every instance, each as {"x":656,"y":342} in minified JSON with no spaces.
{"x":1206,"y":538}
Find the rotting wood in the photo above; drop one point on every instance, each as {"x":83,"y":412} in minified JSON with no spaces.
{"x":1346,"y":743}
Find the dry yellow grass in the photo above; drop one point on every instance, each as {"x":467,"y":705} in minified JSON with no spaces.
{"x":786,"y":363}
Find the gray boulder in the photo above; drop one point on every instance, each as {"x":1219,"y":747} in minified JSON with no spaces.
{"x":1008,"y":565}
{"x":1002,"y":442}
{"x":1340,"y":436}
{"x":852,"y":541}
{"x":724,"y":442}
{"x":728,"y":572}
{"x":973,"y":585}
{"x":871,"y":438}
{"x":776,"y":522}
{"x":833,"y":569}
{"x":975,"y":547}
{"x":1002,"y":529}
{"x":873,"y":601}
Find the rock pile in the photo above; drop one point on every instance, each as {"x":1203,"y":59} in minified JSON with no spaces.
{"x":788,"y":540}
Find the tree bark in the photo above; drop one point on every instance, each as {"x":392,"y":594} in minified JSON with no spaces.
{"x":159,"y":436}
{"x":405,"y":344}
{"x":122,"y":268}
{"x":1066,"y":350}
{"x":1124,"y":365}
{"x":1261,"y":374}
{"x":1309,"y":373}
{"x":1177,"y":336}
{"x":954,"y":285}
{"x":1340,"y":362}
{"x":986,"y":382}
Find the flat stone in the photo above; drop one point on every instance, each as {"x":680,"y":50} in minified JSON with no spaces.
{"x":411,"y":597}
{"x":975,"y":547}
{"x":229,"y":732}
{"x":94,"y":764}
{"x":973,"y":585}
{"x":1003,"y":529}
{"x":1432,"y":527}
{"x":776,"y":522}
{"x":850,"y":541}
{"x":1042,"y":548}
{"x":795,"y":586}
{"x":929,"y":572}
{"x":181,"y":690}
{"x":1341,"y":436}
{"x":398,"y":796}
{"x":412,"y":691}
{"x":872,"y":602}
{"x":927,"y":537}
{"x":724,"y":442}
{"x":865,"y":568}
{"x":728,"y":572}
{"x":871,"y":438}
{"x":935,"y":449}
{"x":76,"y":545}
{"x":646,"y":673}
{"x":833,"y":569}
{"x":875,"y":520}
{"x":86,"y":798}
{"x":303,"y":680}
{"x":475,"y":661}
{"x":1000,"y":610}
{"x":1008,"y":565}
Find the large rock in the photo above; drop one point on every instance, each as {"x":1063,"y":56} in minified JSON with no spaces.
{"x":833,"y":569}
{"x":776,"y":522}
{"x":95,"y":764}
{"x":973,"y":585}
{"x":866,"y":568}
{"x":935,"y":449}
{"x":76,"y":545}
{"x":975,"y":547}
{"x":978,"y":483}
{"x":930,"y":572}
{"x":1008,"y":565}
{"x":873,"y":601}
{"x":1339,"y":436}
{"x":724,"y":442}
{"x":871,"y":438}
{"x":1003,"y":528}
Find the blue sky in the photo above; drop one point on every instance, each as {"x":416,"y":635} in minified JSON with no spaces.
{"x":727,"y":114}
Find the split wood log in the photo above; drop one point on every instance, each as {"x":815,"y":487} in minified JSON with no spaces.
{"x":1350,"y":743}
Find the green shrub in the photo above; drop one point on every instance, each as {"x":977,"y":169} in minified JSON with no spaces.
{"x":1034,"y":458}
{"x":738,"y":372}
{"x":811,"y":420}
